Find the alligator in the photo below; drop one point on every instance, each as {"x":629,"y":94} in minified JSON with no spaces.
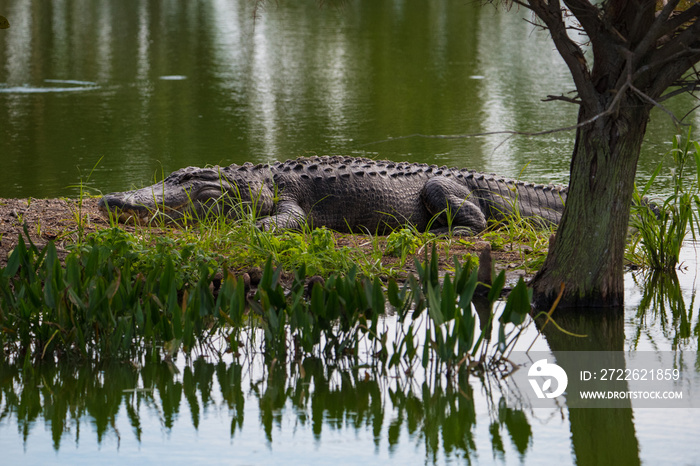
{"x":346,"y":194}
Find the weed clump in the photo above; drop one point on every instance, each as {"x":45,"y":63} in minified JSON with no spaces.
{"x":110,"y":300}
{"x":661,"y":228}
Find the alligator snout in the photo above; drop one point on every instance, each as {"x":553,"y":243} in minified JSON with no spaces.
{"x":125,"y":209}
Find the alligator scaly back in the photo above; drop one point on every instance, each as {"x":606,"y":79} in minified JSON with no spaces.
{"x":341,"y":193}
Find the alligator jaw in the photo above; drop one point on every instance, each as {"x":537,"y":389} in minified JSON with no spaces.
{"x":122,"y":207}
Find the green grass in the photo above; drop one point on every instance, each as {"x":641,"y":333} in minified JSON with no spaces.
{"x":659,"y":233}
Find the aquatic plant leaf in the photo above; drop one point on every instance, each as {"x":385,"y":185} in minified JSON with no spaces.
{"x":377,"y":297}
{"x":176,"y":313}
{"x":434,"y":276}
{"x":466,"y":293}
{"x":13,"y":262}
{"x":434,"y":308}
{"x":518,"y":304}
{"x":426,"y":352}
{"x":393,"y":295}
{"x":448,"y":299}
{"x":496,"y":287}
{"x":467,"y":323}
{"x":317,"y":305}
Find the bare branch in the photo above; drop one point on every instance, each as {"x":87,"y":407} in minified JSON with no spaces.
{"x":654,"y":66}
{"x":656,"y":30}
{"x":586,"y":14}
{"x":680,"y":19}
{"x":534,"y":24}
{"x":571,"y":100}
{"x":519,"y":3}
{"x":687,"y":88}
{"x":551,"y":13}
{"x":611,"y":109}
{"x":656,"y":104}
{"x":685,"y":50}
{"x":690,"y":111}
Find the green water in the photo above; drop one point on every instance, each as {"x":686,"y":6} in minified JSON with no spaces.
{"x":242,"y":410}
{"x":115,"y":94}
{"x":137,"y":89}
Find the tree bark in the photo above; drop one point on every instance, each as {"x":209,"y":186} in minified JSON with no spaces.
{"x":587,"y":253}
{"x":638,"y":53}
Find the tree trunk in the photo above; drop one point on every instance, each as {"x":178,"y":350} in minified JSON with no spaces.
{"x":587,"y":253}
{"x":638,"y":53}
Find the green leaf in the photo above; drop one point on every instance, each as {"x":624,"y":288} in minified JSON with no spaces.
{"x":393,"y":295}
{"x":13,"y":262}
{"x":176,"y":313}
{"x":317,"y":303}
{"x":377,"y":297}
{"x":448,"y":302}
{"x":518,"y":304}
{"x":434,"y":308}
{"x":496,"y":287}
{"x":426,"y":350}
{"x":467,"y":323}
{"x":653,"y":176}
{"x":75,"y":299}
{"x":466,"y":294}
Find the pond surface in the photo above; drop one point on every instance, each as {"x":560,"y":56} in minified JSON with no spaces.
{"x":116,"y":94}
{"x":113,"y":95}
{"x":244,"y":410}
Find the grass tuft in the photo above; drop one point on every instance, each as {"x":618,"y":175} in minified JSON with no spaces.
{"x":661,"y":228}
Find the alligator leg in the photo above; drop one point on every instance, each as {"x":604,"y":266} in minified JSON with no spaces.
{"x":445,"y":198}
{"x":289,"y":216}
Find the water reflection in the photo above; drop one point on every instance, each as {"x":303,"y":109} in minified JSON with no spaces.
{"x":119,"y":398}
{"x":662,"y":305}
{"x":52,"y":85}
{"x":294,"y":80}
{"x":598,"y":436}
{"x":510,"y":69}
{"x":386,"y":414}
{"x":258,"y":406}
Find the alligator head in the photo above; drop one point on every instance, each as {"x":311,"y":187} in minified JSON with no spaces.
{"x":192,"y":193}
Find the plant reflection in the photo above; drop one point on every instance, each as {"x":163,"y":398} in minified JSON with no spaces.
{"x":663,"y":304}
{"x":319,"y":396}
{"x":435,"y":413}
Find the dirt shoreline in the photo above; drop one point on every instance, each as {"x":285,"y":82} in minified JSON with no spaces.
{"x":45,"y":220}
{"x":58,"y":220}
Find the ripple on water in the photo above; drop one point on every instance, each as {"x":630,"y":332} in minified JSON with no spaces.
{"x":53,"y":85}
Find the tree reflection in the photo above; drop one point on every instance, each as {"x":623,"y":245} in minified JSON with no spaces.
{"x":598,"y":435}
{"x":320,"y":396}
